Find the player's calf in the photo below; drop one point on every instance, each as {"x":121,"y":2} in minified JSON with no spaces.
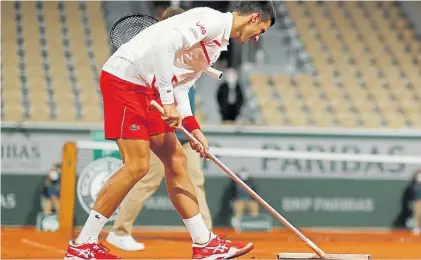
{"x":179,"y":186}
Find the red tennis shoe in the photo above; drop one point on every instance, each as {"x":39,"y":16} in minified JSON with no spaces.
{"x":218,"y":248}
{"x":89,"y":250}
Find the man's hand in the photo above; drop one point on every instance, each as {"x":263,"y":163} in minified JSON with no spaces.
{"x":203,"y":146}
{"x":171,"y":117}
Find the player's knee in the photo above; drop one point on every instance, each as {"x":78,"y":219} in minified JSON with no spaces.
{"x":179,"y":162}
{"x":136,"y":168}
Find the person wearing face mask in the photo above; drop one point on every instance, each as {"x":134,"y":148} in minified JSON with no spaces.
{"x":416,"y":203}
{"x":51,"y":191}
{"x":230,"y":97}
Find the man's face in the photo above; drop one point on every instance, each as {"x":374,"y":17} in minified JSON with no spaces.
{"x":253,"y":29}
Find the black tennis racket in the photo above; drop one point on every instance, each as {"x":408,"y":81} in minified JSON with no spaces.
{"x":129,"y":26}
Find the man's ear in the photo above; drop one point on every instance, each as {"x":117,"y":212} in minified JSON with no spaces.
{"x":255,"y":17}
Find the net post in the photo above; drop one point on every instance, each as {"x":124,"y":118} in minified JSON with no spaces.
{"x":68,"y":189}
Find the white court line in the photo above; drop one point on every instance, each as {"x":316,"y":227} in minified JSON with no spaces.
{"x":35,"y":244}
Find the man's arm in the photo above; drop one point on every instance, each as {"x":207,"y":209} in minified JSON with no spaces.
{"x":184,"y":37}
{"x":164,"y":52}
{"x":189,"y":121}
{"x":181,"y":94}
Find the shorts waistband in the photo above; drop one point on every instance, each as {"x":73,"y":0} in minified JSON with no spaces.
{"x":132,"y":87}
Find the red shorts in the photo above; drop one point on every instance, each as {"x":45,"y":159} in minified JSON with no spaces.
{"x":127,"y":110}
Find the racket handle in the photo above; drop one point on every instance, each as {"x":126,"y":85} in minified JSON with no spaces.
{"x":214,"y":73}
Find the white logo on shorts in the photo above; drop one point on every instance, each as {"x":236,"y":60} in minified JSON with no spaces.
{"x":92,"y":178}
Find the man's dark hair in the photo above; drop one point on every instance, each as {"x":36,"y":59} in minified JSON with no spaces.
{"x":171,"y":11}
{"x":265,"y":8}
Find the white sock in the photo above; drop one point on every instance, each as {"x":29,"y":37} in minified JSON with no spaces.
{"x":92,"y":228}
{"x":199,"y":233}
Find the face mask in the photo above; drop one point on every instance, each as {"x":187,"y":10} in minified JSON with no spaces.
{"x":243,"y":175}
{"x":54,"y":175}
{"x":231,"y":77}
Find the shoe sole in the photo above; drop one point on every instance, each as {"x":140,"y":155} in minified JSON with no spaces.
{"x":236,"y":254}
{"x":117,"y":245}
{"x":241,"y":252}
{"x":124,"y":248}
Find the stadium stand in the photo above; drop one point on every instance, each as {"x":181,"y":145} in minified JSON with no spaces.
{"x":367,"y":69}
{"x":57,"y":77}
{"x":55,"y":51}
{"x":12,"y":91}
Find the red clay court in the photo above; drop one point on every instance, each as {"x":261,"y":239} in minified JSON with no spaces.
{"x":27,"y":243}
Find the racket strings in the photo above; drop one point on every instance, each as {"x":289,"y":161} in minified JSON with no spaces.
{"x":128,"y":27}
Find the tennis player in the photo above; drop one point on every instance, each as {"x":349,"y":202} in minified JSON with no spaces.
{"x":121,"y":234}
{"x":143,"y":70}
